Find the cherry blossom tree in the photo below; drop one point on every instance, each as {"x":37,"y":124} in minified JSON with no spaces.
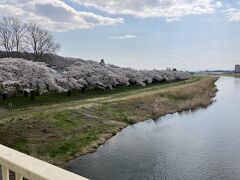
{"x":19,"y":75}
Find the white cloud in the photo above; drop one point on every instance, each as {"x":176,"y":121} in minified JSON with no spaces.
{"x":54,"y":14}
{"x":170,"y":9}
{"x":128,"y":36}
{"x":233,"y":14}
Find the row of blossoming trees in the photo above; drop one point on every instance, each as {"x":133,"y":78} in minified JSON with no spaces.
{"x":20,"y":77}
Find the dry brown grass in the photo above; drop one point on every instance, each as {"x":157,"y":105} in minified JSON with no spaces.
{"x":187,"y":97}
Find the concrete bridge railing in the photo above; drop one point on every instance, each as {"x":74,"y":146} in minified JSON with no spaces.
{"x":27,"y":167}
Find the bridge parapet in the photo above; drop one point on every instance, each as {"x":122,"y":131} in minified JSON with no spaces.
{"x":27,"y":167}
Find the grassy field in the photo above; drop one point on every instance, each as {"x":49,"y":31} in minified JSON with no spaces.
{"x":23,"y":102}
{"x":59,"y":128}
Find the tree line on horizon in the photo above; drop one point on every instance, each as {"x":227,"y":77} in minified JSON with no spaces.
{"x":17,"y":36}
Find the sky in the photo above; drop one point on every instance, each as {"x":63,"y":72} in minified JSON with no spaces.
{"x":142,"y":34}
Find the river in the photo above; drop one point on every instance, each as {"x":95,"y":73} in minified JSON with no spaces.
{"x":200,"y":144}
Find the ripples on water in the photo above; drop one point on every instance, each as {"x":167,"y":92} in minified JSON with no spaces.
{"x":204,"y":144}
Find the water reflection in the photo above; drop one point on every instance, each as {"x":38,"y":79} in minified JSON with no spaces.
{"x":237,"y":82}
{"x":197,"y":144}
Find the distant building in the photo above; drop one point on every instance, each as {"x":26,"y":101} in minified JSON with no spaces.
{"x":237,"y":68}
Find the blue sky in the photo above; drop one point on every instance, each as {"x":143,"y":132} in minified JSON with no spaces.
{"x":146,"y":34}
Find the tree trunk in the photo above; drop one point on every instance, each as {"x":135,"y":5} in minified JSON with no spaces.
{"x":69,"y":93}
{"x":83,"y":90}
{"x":32,"y":95}
{"x":37,"y":90}
{"x":25,"y":94}
{"x":41,"y":56}
{"x":36,"y":56}
{"x":4,"y":96}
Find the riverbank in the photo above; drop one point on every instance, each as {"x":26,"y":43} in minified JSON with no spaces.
{"x":231,"y":75}
{"x":59,"y":132}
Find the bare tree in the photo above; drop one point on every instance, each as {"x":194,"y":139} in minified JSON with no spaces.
{"x":18,"y":32}
{"x":16,"y":36}
{"x":40,"y":42}
{"x":6,"y":35}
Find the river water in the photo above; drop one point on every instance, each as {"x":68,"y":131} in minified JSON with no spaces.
{"x":200,"y":144}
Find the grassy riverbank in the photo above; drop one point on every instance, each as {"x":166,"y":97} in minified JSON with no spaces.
{"x":231,"y":75}
{"x":58,"y":132}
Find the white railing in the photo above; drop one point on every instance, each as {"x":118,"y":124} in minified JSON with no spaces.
{"x":27,"y":167}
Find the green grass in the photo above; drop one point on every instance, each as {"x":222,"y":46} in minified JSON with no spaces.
{"x":75,"y":132}
{"x":55,"y":135}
